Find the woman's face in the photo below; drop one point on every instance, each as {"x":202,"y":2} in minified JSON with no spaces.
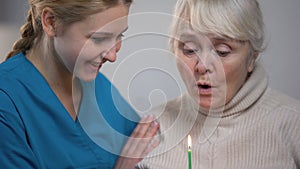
{"x":84,"y":46}
{"x":213,"y":68}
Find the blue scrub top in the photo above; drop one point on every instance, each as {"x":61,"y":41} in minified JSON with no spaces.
{"x":36,"y":131}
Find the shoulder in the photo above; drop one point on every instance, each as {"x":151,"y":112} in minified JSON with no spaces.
{"x":13,"y":64}
{"x":281,"y":102}
{"x":12,"y":70}
{"x":19,"y":77}
{"x":174,"y":107}
{"x":10,"y":84}
{"x":286,"y":115}
{"x":102,"y":79}
{"x":280,"y":108}
{"x":283,"y":112}
{"x":176,"y":117}
{"x":168,"y":110}
{"x":105,"y":89}
{"x":113,"y":105}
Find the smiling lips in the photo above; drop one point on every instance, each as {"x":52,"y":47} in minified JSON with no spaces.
{"x":97,"y":65}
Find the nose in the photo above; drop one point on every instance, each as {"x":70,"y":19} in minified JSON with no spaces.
{"x":201,"y":67}
{"x":202,"y":64}
{"x":111,"y":54}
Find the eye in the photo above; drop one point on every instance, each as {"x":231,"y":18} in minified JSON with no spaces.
{"x":222,"y":53}
{"x":98,"y":40}
{"x":120,"y":36}
{"x":223,"y":50}
{"x":189,"y":49}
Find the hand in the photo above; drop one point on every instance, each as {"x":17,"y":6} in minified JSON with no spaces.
{"x":139,"y":144}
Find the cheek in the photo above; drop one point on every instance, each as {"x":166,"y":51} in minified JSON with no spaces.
{"x":90,"y":51}
{"x":186,"y":67}
{"x":186,"y":70}
{"x":67,"y":52}
{"x":235,"y":78}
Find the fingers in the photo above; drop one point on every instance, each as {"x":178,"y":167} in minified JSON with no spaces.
{"x":152,"y":129}
{"x":139,"y":143}
{"x":150,"y":147}
{"x":143,"y":126}
{"x":148,"y":143}
{"x":138,"y":132}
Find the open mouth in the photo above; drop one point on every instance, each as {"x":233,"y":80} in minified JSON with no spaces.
{"x":205,"y":86}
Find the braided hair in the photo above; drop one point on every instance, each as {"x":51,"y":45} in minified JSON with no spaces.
{"x":68,"y":11}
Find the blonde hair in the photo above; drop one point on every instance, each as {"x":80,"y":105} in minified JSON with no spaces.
{"x":67,"y":11}
{"x":237,"y":19}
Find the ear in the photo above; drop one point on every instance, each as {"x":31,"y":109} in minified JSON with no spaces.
{"x":252,"y":61}
{"x":48,"y":21}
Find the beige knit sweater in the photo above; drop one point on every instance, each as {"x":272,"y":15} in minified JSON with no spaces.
{"x":259,"y":129}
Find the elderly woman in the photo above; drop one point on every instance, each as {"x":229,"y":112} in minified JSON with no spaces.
{"x":234,"y":119}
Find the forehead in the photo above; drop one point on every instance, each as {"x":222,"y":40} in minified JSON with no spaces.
{"x":111,"y":20}
{"x":190,"y":35}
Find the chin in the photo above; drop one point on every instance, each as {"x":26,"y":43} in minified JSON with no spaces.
{"x":205,"y":105}
{"x":87,"y":77}
{"x":210,"y":104}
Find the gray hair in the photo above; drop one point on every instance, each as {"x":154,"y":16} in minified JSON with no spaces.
{"x":237,"y":19}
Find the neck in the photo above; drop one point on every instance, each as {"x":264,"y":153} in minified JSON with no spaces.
{"x":59,"y":78}
{"x":52,"y":68}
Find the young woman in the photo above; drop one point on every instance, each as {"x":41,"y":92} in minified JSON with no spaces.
{"x":234,"y":119}
{"x":56,"y":109}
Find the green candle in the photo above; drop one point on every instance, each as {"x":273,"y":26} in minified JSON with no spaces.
{"x":190,"y":151}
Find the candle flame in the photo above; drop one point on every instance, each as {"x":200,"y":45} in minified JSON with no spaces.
{"x":189,"y":142}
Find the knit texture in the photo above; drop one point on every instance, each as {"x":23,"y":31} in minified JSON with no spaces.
{"x":258,"y":129}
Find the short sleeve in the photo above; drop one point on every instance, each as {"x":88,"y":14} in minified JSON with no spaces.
{"x":15,"y":151}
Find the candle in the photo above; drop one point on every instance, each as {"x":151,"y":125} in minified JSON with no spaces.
{"x":190,"y":151}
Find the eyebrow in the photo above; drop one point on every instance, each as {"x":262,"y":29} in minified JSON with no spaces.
{"x":237,"y":43}
{"x":227,"y":39}
{"x":106,"y":33}
{"x":221,"y":38}
{"x":187,"y":37}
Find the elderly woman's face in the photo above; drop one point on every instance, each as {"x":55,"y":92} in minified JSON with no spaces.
{"x":213,"y":68}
